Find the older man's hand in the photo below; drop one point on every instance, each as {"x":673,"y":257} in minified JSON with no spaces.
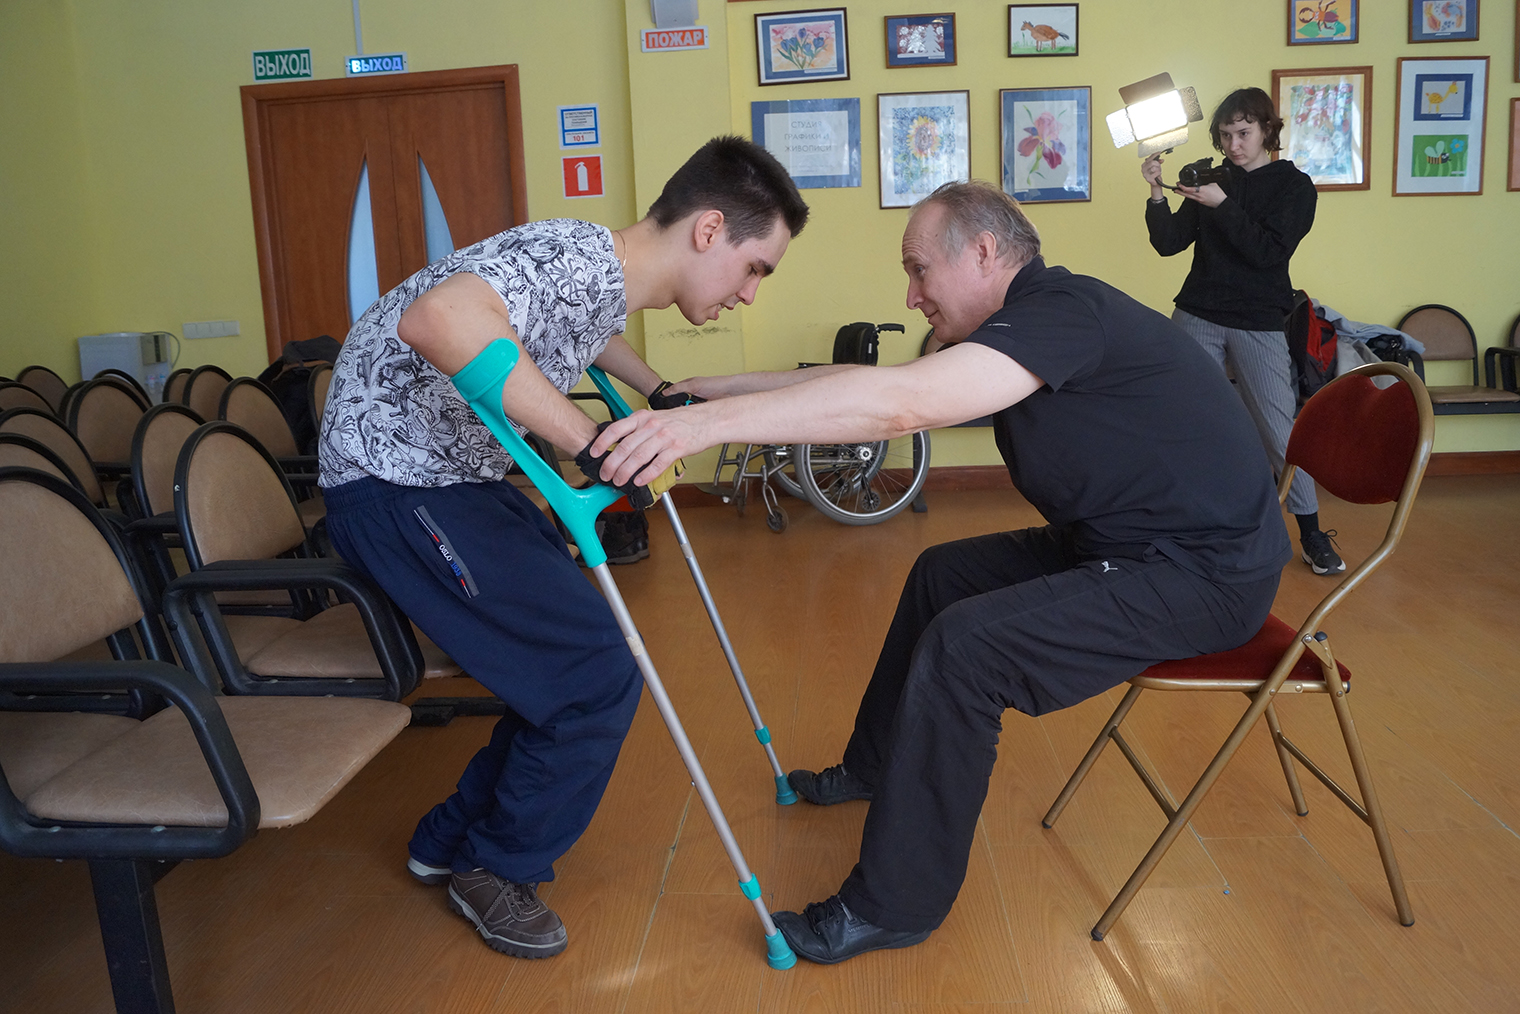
{"x":648,"y":443}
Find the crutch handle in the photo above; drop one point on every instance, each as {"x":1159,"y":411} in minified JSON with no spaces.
{"x":480,"y":383}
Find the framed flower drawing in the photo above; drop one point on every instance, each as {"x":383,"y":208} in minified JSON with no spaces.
{"x":1327,"y":123}
{"x":924,"y":142}
{"x":799,"y":46}
{"x":1047,"y":144}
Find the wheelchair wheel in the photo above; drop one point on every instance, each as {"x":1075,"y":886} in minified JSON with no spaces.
{"x":862,"y":484}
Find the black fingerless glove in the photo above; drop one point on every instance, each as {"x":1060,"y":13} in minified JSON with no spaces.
{"x":591,"y":466}
{"x":658,"y":399}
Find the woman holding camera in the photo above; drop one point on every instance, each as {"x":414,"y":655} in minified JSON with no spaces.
{"x":1243,"y":230}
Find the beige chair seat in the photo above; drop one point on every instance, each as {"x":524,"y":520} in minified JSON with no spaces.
{"x":333,"y":645}
{"x":36,"y":745}
{"x":299,"y":751}
{"x":1467,"y":394}
{"x":312,"y":510}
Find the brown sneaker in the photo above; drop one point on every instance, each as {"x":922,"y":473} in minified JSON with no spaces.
{"x":509,"y":916}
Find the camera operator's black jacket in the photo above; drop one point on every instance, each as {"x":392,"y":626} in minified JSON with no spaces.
{"x":1240,"y":263}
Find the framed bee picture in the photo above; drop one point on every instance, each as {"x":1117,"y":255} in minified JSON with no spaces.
{"x":1327,"y":123}
{"x":1317,"y":22}
{"x":1439,"y":134}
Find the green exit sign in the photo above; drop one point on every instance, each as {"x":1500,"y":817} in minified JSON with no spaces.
{"x":281,"y":64}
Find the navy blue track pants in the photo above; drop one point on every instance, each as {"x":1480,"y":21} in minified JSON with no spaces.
{"x":1010,"y":620}
{"x":483,"y":573}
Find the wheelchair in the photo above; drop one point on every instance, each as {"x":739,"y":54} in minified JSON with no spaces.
{"x":854,"y":484}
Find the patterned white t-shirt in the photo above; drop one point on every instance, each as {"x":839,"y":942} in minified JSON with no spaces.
{"x":392,"y":415}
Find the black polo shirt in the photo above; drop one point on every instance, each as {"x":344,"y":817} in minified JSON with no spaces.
{"x":1136,"y":441}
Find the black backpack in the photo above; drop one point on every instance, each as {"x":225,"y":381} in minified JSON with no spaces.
{"x":287,"y":377}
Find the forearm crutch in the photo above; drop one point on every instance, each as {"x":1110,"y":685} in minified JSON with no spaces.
{"x":784,"y":792}
{"x":480,"y":383}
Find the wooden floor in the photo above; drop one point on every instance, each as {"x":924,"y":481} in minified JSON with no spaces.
{"x":1255,"y":910}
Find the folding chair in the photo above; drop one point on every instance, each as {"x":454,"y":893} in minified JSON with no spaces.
{"x":45,"y":382}
{"x":785,"y":794}
{"x":1366,"y":445}
{"x":480,"y":383}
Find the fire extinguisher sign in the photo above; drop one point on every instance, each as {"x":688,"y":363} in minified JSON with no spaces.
{"x":583,"y":175}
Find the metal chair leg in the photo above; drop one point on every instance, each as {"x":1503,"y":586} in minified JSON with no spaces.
{"x":1285,"y":757}
{"x":1137,"y":879}
{"x":1070,"y":789}
{"x":129,"y":929}
{"x":1374,"y":810}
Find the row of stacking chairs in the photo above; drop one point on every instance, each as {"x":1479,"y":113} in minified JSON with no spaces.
{"x":201,"y":585}
{"x":133,"y":794}
{"x":1447,"y":335}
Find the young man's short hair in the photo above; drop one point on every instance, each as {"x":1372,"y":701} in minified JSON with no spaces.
{"x":973,"y":207}
{"x":740,"y":179}
{"x":1250,"y":104}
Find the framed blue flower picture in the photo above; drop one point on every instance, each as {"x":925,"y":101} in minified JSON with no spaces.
{"x":798,"y":46}
{"x":1047,"y":144}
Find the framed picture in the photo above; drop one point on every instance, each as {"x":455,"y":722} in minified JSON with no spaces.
{"x":1315,"y":22}
{"x":1047,"y":144}
{"x":1042,"y":29}
{"x":1439,"y":133}
{"x":921,"y":40}
{"x":1514,"y":144}
{"x":1327,"y":123}
{"x":925,"y":141}
{"x":817,"y":140}
{"x":802,"y":46}
{"x":1443,"y":20}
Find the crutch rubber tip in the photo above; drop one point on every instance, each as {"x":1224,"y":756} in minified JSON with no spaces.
{"x":778,"y":953}
{"x":1096,"y":935}
{"x":785,"y":794}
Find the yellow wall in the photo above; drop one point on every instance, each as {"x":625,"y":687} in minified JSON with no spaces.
{"x":126,"y":189}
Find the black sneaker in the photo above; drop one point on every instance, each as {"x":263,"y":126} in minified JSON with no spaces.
{"x":625,"y":537}
{"x":829,"y":786}
{"x":1320,"y":553}
{"x":828,"y":932}
{"x":510,"y":917}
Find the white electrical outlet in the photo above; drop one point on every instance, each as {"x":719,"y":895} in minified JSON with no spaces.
{"x":210,"y":328}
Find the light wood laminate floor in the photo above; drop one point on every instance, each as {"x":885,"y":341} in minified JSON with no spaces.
{"x":1255,"y":910}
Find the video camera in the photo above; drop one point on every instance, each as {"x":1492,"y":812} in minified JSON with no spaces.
{"x":1201,"y":173}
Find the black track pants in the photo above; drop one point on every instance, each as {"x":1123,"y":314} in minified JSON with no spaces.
{"x":1010,"y":620}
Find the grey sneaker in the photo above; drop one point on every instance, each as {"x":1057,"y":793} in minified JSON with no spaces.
{"x":510,"y":917}
{"x":433,"y":876}
{"x":829,"y":786}
{"x":1320,"y":554}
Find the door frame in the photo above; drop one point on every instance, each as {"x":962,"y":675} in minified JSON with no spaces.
{"x":258,"y":99}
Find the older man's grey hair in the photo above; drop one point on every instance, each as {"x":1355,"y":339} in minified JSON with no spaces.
{"x":973,"y":207}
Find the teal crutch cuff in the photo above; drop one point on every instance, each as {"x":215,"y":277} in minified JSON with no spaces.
{"x":480,"y":383}
{"x":785,"y":794}
{"x":615,"y":402}
{"x":750,"y":888}
{"x":763,"y":734}
{"x":778,"y":953}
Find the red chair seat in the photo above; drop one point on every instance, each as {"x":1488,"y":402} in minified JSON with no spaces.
{"x":1253,"y":660}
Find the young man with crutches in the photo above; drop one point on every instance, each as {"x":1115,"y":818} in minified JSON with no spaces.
{"x":418,"y":497}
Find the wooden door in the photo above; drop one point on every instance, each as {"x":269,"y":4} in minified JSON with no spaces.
{"x":309,"y":143}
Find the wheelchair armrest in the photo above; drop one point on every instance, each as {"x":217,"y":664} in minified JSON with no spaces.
{"x":24,"y":835}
